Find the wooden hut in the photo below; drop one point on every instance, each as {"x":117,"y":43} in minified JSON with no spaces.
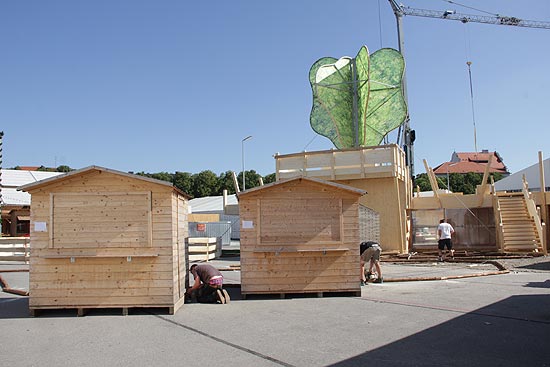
{"x":106,"y":239}
{"x":300,"y":236}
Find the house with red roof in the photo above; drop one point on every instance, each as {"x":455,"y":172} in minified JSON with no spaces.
{"x":475,"y":162}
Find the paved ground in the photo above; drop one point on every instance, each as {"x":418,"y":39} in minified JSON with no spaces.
{"x":497,"y":320}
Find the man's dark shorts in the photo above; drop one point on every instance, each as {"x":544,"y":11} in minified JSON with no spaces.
{"x":445,"y":243}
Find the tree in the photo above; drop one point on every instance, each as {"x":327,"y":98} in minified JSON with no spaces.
{"x":64,"y":169}
{"x":270,"y":178}
{"x":183,"y":181}
{"x":465,"y":183}
{"x":205,"y":183}
{"x":423,"y":182}
{"x":252,"y":179}
{"x":164,"y":176}
{"x":225,"y":182}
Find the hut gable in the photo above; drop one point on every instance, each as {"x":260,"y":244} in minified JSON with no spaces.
{"x":304,"y":185}
{"x":88,"y":172}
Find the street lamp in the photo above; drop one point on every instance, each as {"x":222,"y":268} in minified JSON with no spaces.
{"x":448,"y":183}
{"x":242,"y":153}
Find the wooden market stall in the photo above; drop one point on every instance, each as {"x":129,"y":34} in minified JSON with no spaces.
{"x":107,"y":239}
{"x":300,"y":236}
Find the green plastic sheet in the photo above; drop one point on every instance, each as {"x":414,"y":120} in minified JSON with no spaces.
{"x":357,"y":101}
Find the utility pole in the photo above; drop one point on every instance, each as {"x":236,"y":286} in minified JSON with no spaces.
{"x":408,"y":134}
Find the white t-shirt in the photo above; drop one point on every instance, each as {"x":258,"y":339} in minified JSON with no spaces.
{"x":445,"y":230}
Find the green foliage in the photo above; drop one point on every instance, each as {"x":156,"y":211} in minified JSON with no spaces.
{"x":64,"y":169}
{"x":183,"y":181}
{"x":226,"y":183}
{"x":204,"y":184}
{"x":465,"y":183}
{"x":423,"y":182}
{"x":270,"y":178}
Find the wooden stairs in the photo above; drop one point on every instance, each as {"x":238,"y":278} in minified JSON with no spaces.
{"x":518,"y":227}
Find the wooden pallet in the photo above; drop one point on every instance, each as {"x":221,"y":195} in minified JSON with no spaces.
{"x":245,"y":296}
{"x":124,"y":311}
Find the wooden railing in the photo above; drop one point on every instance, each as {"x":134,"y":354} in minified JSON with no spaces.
{"x":498,"y":216}
{"x":14,"y":249}
{"x":532,"y":209}
{"x":366,"y":162}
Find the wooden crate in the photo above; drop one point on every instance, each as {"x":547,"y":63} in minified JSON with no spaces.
{"x":107,"y":239}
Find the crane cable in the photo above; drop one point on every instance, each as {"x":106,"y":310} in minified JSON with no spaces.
{"x":469,"y":63}
{"x":469,"y":7}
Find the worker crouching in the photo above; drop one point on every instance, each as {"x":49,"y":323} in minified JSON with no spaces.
{"x":208,"y":285}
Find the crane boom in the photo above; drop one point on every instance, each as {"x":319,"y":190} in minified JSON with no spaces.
{"x":400,"y":10}
{"x":466,"y":18}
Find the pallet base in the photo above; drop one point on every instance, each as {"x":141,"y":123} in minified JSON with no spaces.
{"x":124,"y":311}
{"x":281,"y":295}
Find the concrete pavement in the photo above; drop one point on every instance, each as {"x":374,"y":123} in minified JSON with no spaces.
{"x":499,"y":320}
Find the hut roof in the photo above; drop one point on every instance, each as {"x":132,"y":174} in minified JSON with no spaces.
{"x":66,"y":176}
{"x":334,"y":185}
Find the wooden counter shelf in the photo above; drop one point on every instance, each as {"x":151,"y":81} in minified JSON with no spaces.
{"x":101,"y":254}
{"x":301,"y":250}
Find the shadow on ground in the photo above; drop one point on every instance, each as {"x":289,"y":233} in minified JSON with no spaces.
{"x":545,"y":265}
{"x":513,"y":332}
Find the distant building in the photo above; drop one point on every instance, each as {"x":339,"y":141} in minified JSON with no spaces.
{"x":514,"y":182}
{"x":16,"y":204}
{"x":472,"y":163}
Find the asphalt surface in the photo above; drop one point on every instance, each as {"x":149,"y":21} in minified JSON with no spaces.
{"x":491,"y":320}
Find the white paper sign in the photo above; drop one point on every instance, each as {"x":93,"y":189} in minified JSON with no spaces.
{"x":40,"y":227}
{"x":248,"y":224}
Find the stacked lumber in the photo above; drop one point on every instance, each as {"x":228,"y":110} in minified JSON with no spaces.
{"x":203,"y":248}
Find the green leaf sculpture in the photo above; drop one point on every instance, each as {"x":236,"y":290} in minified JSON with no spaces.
{"x":357,"y":101}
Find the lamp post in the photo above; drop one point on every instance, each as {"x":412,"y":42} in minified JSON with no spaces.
{"x":242,"y":153}
{"x":448,"y":182}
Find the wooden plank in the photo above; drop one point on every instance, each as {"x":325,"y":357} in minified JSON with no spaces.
{"x":290,"y":272}
{"x":62,"y":291}
{"x":44,"y":279}
{"x":105,"y":252}
{"x":76,"y":267}
{"x":285,"y":249}
{"x":101,"y":302}
{"x":288,"y":288}
{"x":105,"y":284}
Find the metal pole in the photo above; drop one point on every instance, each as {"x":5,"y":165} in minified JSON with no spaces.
{"x":242,"y":153}
{"x":407,"y":139}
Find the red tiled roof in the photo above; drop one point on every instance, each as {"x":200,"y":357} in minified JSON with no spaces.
{"x":465,"y":167}
{"x":472,"y":162}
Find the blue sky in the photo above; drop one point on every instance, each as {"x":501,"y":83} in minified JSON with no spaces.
{"x":143,"y":85}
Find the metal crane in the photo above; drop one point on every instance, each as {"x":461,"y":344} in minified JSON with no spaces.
{"x":400,"y":10}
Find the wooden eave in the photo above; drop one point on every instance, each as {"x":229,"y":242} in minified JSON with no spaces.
{"x":316,"y":181}
{"x":89,"y":169}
